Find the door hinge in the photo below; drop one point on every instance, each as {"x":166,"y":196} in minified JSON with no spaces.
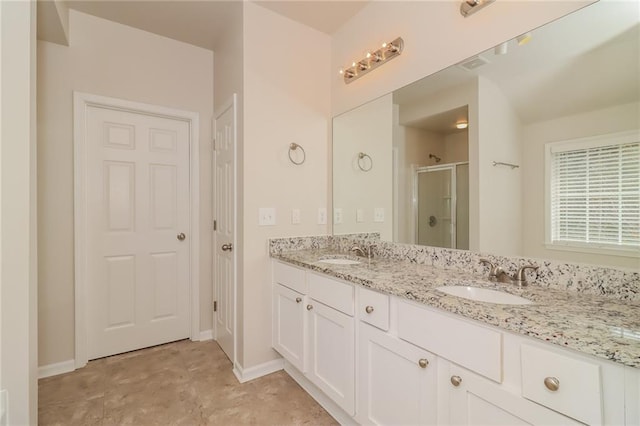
{"x":215,"y":306}
{"x":215,"y":225}
{"x":213,"y":144}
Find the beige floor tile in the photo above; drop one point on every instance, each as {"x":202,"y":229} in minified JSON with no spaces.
{"x":154,"y":406}
{"x":83,"y":384}
{"x":181,"y":383}
{"x":81,"y":413}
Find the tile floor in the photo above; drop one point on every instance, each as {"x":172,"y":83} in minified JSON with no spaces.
{"x":180,"y":383}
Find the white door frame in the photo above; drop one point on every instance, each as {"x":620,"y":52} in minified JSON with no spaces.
{"x":232,"y":103}
{"x":81,"y":101}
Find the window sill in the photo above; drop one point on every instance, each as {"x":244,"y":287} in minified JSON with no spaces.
{"x":632,"y":253}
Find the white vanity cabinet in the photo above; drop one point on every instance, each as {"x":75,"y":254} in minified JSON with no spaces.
{"x":477,"y":401}
{"x":314,"y":330}
{"x":331,"y":354}
{"x":420,"y":365}
{"x":289,"y":325}
{"x":397,"y":382}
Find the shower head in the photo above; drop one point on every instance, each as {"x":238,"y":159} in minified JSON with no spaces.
{"x":438,"y":159}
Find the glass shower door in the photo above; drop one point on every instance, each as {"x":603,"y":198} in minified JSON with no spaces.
{"x":435,"y":208}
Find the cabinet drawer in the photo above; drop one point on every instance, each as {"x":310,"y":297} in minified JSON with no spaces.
{"x":472,"y":346}
{"x":332,"y":293}
{"x":289,"y":276}
{"x":373,"y":308}
{"x":579,"y":390}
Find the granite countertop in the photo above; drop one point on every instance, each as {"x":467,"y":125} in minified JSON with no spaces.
{"x":595,"y":325}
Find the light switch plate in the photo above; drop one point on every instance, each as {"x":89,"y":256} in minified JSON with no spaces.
{"x":322,"y":216}
{"x":295,"y":216}
{"x":266,"y":216}
{"x":360,"y":215}
{"x":378,"y":214}
{"x":337,"y":216}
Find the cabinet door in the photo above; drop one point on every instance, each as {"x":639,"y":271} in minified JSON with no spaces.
{"x":331,"y":354}
{"x":476,"y":400}
{"x":397,"y":381}
{"x":289,"y":325}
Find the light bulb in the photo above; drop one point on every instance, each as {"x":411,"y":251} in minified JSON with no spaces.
{"x":462,"y":125}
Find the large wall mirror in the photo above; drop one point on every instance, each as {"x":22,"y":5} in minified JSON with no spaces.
{"x":457,"y":159}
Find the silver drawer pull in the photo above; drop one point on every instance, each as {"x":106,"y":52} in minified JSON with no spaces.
{"x":298,"y":299}
{"x":368,"y":309}
{"x":423,"y":363}
{"x":456,"y":380}
{"x":309,"y":307}
{"x":552,"y":383}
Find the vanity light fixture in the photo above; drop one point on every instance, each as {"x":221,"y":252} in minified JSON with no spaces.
{"x":501,"y":49}
{"x":469,"y":7}
{"x":462,"y":125}
{"x":373,"y":60}
{"x":523,"y":39}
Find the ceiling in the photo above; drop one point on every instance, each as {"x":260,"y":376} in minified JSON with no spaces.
{"x":586,"y":61}
{"x":202,"y":23}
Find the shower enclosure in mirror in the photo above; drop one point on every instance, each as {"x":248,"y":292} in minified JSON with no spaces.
{"x":577,"y":78}
{"x":441,"y":206}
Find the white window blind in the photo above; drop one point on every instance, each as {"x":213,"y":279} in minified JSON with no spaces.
{"x":595,"y":193}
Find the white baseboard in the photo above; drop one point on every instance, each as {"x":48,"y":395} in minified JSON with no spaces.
{"x":246,"y":374}
{"x":206,"y":335}
{"x":57,"y":368}
{"x":321,"y":398}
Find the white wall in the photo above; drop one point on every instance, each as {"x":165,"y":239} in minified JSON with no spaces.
{"x":367,"y":129}
{"x":18,"y":227}
{"x":286,"y":99}
{"x":113,"y":60}
{"x":615,"y":119}
{"x":499,"y":139}
{"x":456,"y":147}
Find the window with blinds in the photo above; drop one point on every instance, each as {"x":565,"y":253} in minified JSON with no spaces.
{"x":594,"y":192}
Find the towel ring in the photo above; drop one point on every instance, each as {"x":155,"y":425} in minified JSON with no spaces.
{"x":361,"y":157}
{"x":293,"y":147}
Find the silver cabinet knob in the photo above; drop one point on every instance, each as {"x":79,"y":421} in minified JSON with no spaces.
{"x":368,"y":309}
{"x":423,"y":363}
{"x":456,"y":380}
{"x":309,"y":307}
{"x":227,"y":247}
{"x":181,"y":236}
{"x":298,"y":299}
{"x":552,"y":383}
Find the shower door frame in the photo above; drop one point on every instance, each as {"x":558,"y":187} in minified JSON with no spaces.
{"x":454,"y":197}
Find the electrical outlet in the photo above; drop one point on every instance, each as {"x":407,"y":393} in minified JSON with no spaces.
{"x":337,"y":216}
{"x":322,"y":216}
{"x":359,"y":215}
{"x":266,"y":216}
{"x":295,"y":216}
{"x":378,"y":214}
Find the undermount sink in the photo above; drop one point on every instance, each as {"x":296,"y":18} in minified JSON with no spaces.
{"x":484,"y":295}
{"x":339,"y":261}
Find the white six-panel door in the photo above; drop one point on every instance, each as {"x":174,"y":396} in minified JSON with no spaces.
{"x":138,"y":201}
{"x":224,"y":240}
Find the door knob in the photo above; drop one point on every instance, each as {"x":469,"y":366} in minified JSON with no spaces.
{"x":456,"y":380}
{"x":423,"y":362}
{"x":181,"y":236}
{"x":227,"y":247}
{"x":368,"y":309}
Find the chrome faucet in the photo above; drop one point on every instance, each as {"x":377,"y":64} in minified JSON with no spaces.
{"x":496,"y":273}
{"x":360,"y":252}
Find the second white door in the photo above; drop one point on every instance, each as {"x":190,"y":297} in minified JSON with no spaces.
{"x":138,"y":288}
{"x":224,"y":238}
